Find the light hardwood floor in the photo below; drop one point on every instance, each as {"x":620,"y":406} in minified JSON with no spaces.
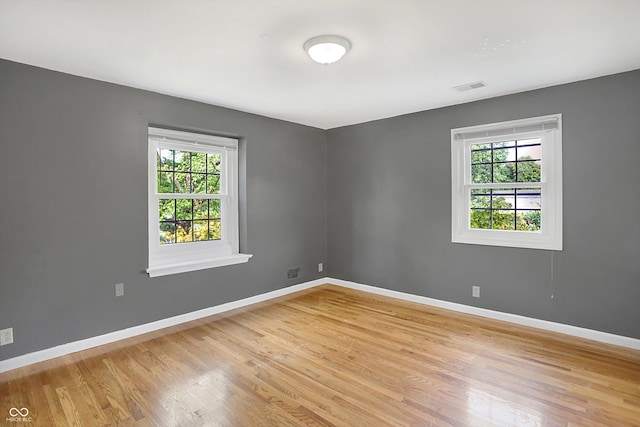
{"x":333,"y":356}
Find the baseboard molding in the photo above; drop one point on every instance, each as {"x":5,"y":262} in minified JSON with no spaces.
{"x":546,"y":325}
{"x":72,"y":347}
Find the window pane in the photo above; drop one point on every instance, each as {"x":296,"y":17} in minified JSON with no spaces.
{"x":478,"y":157}
{"x":214,"y":229}
{"x":201,"y":208}
{"x":481,"y":173}
{"x":505,"y":209}
{"x":504,"y":172}
{"x":200,"y":230}
{"x":213,"y":162}
{"x":214,"y":208}
{"x":480,"y":201}
{"x":503,"y":220}
{"x":529,"y":171}
{"x":530,"y":152}
{"x":506,"y":162}
{"x":182,"y":183}
{"x":165,"y":159}
{"x":532,"y":141}
{"x":182,"y":161}
{"x":213,"y":184}
{"x":189,"y":220}
{"x":503,"y":198}
{"x":166,"y":209}
{"x":504,"y":154}
{"x":198,"y":162}
{"x":199,"y":183}
{"x":188,"y":172}
{"x":184,"y":231}
{"x":165,"y":182}
{"x":503,"y":144}
{"x":183,"y":209}
{"x":480,"y":219}
{"x":480,"y":147}
{"x":480,"y":153}
{"x":481,"y":191}
{"x":528,"y":198}
{"x":528,"y":220}
{"x":167,"y":233}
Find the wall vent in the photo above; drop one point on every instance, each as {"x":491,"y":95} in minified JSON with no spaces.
{"x":293,"y":273}
{"x":470,"y":86}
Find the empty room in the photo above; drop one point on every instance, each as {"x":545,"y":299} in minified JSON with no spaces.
{"x":319,"y":213}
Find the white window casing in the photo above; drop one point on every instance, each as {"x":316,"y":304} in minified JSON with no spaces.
{"x":549,"y":130}
{"x":182,"y":257}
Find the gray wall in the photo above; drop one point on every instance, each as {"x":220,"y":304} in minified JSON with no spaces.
{"x":389,"y":209}
{"x":373,"y":201}
{"x":73,"y":207}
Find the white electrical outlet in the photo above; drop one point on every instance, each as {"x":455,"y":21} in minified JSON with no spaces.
{"x":475,"y":291}
{"x":119,"y":289}
{"x":320,"y":267}
{"x":6,"y":336}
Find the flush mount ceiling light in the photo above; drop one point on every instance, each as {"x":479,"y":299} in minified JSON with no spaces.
{"x":327,"y":49}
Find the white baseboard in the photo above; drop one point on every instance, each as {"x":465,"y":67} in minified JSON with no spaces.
{"x":546,"y":325}
{"x":72,"y":347}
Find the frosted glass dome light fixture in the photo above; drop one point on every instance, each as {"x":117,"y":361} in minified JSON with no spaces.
{"x":327,"y":49}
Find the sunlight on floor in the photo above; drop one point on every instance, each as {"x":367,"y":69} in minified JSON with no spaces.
{"x":495,"y":410}
{"x":198,"y":399}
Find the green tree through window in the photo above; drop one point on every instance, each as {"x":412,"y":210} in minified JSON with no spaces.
{"x":188,"y":219}
{"x":507,"y":208}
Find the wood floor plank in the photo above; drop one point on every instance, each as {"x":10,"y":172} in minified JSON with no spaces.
{"x":69,"y":408}
{"x":56,"y":415}
{"x":331,"y":356}
{"x":93,"y":407}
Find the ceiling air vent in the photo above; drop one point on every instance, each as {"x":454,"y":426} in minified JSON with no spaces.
{"x":470,"y":86}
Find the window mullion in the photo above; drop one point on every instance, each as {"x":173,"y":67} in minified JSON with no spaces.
{"x":516,"y":160}
{"x":189,"y":196}
{"x":491,"y":205}
{"x":494,"y":185}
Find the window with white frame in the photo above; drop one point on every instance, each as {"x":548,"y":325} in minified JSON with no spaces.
{"x":507,"y":183}
{"x":193,"y":202}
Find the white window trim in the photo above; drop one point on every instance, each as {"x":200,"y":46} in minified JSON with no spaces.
{"x":183,"y":257}
{"x":549,"y":129}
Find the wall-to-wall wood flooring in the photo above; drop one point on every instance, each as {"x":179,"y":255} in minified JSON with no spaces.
{"x":333,"y":356}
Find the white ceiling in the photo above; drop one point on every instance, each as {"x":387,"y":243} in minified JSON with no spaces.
{"x":407,"y":55}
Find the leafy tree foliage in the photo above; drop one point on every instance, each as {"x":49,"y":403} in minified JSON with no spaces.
{"x":490,"y":209}
{"x":188,"y":219}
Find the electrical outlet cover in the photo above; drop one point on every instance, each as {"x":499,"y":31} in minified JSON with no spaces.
{"x":6,"y":336}
{"x":475,"y":291}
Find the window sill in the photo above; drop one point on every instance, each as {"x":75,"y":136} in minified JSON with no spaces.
{"x":510,"y":239}
{"x":183,"y":267}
